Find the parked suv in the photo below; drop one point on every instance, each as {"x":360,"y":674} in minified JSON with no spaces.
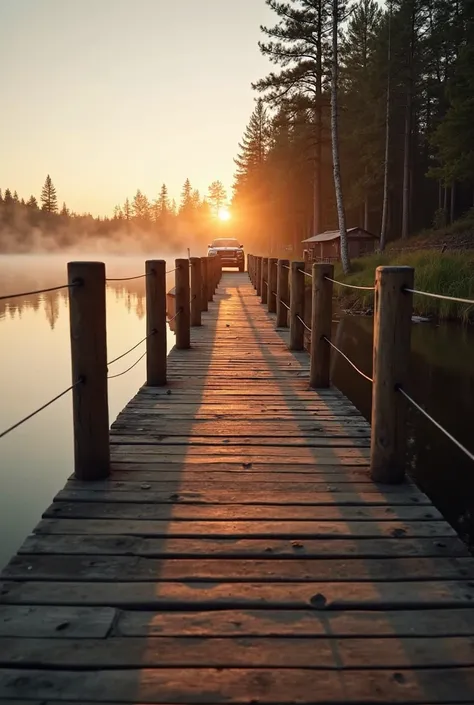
{"x":229,"y":251}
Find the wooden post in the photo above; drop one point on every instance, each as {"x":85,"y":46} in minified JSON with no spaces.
{"x":282,"y":293}
{"x":392,"y":331}
{"x":258,"y":273}
{"x":89,"y":364}
{"x":250,"y":266}
{"x":182,"y":320}
{"x":264,"y":280}
{"x":210,"y":278}
{"x":156,"y":321}
{"x":272,"y":284}
{"x":195,"y":291}
{"x":321,"y":323}
{"x":204,"y":283}
{"x":296,"y":306}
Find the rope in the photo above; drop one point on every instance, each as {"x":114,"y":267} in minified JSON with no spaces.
{"x":39,"y":291}
{"x":175,"y":315}
{"x":285,"y":266}
{"x":30,"y":416}
{"x":301,"y":321}
{"x":128,"y":368}
{"x":435,"y":423}
{"x":126,"y":279}
{"x":131,"y":349}
{"x":307,"y":273}
{"x":350,"y":286}
{"x":438,"y":296}
{"x":369,"y":379}
{"x":284,"y":304}
{"x":170,"y":271}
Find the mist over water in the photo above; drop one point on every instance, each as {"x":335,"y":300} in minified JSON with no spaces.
{"x":37,"y":458}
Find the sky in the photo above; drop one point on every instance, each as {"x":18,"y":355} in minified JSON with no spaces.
{"x":111,"y":96}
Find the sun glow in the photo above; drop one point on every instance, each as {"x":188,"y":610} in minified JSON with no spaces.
{"x":224,"y":214}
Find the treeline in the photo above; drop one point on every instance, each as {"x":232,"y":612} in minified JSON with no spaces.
{"x":405,"y":116}
{"x":140,"y":224}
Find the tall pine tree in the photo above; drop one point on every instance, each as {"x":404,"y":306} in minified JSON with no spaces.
{"x":49,"y":199}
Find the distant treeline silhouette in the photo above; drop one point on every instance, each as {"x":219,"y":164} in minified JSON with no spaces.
{"x":140,"y":224}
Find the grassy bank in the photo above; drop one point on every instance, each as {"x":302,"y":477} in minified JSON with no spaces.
{"x":451,"y":274}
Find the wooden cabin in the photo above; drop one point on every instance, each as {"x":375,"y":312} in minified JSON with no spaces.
{"x":326,"y":247}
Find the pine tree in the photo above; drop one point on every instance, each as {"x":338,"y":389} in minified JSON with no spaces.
{"x":186,"y":204}
{"x":298,"y":44}
{"x":15,"y":197}
{"x":8,"y":198}
{"x":164,"y":202}
{"x":32,"y":202}
{"x":118,"y":213}
{"x":253,"y":147}
{"x":127,"y":210}
{"x":1,"y":197}
{"x":48,"y":196}
{"x":217,"y":196}
{"x":141,"y":208}
{"x":22,"y":201}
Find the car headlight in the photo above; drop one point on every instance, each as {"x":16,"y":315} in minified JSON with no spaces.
{"x":212,"y":253}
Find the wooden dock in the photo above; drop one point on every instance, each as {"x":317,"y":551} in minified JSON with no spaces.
{"x":240,"y":552}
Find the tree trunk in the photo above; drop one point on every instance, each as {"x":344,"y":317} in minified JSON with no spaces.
{"x":335,"y":142}
{"x":453,"y":202}
{"x":384,"y":224}
{"x":366,"y":212}
{"x":407,"y":157}
{"x":317,"y":201}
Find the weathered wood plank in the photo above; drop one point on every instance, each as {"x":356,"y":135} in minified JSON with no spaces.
{"x":199,"y":685}
{"x":233,"y":512}
{"x":56,"y":622}
{"x":257,"y":595}
{"x":132,"y":568}
{"x":247,"y":529}
{"x":277,"y":623}
{"x":241,"y":652}
{"x":231,"y":547}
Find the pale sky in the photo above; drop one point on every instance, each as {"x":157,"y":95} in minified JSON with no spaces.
{"x":109,"y":96}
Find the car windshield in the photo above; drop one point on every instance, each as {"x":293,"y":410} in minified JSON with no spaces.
{"x":225,"y":243}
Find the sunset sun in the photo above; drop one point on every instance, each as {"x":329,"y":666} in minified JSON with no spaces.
{"x":224,"y":214}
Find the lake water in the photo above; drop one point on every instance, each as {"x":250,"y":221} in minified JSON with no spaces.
{"x":36,"y":459}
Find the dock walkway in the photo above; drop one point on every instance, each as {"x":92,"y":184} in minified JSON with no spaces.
{"x":240,"y":552}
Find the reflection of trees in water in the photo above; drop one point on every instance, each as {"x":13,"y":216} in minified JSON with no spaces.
{"x":132,"y":294}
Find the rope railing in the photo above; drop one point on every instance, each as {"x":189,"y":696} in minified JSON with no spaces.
{"x":170,"y":271}
{"x":128,"y":368}
{"x":303,"y":323}
{"x":439,"y":296}
{"x":175,"y":315}
{"x":435,"y":423}
{"x":362,"y":374}
{"x":153,"y":332}
{"x":350,"y":286}
{"x":284,"y":304}
{"x":126,"y":279}
{"x":308,"y":274}
{"x":39,"y":291}
{"x":41,"y":408}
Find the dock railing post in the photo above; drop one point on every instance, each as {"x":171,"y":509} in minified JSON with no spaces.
{"x":196,"y":285}
{"x":296,"y":306}
{"x":258,"y":273}
{"x":183,"y":330}
{"x":264,"y":280}
{"x":87,"y":316}
{"x":392,"y":331}
{"x":156,"y":327}
{"x":321,"y":323}
{"x":282,"y":293}
{"x":210,"y":278}
{"x":204,"y":284}
{"x":272,"y":284}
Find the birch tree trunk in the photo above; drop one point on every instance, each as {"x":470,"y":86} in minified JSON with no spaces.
{"x":384,"y":224}
{"x":335,"y":142}
{"x":317,"y":201}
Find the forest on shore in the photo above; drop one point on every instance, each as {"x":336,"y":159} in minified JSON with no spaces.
{"x":404,"y":113}
{"x":140,"y":224}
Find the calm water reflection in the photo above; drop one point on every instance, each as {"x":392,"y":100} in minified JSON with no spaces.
{"x":36,"y":459}
{"x":441,"y":380}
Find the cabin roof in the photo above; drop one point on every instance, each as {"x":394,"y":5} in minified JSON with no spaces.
{"x":335,"y":234}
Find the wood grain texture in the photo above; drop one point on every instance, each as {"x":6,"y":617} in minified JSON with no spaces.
{"x":239,"y":552}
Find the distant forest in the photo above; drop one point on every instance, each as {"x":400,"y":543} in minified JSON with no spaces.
{"x":405,"y":118}
{"x":138,"y":225}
